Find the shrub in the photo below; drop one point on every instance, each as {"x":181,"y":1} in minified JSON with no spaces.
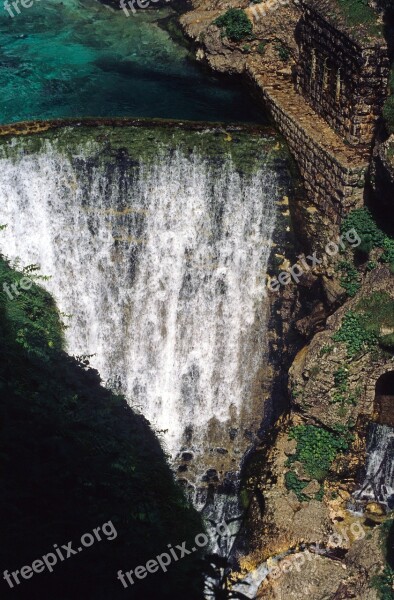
{"x":236,"y":24}
{"x":387,"y":342}
{"x":73,"y":456}
{"x":363,"y":222}
{"x":370,"y":234}
{"x":261,"y":48}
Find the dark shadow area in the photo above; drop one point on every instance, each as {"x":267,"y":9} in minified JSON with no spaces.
{"x":74,"y":459}
{"x":384,"y":399}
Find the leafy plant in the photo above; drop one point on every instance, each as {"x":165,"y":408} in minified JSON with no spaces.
{"x":282,"y":51}
{"x":363,"y":222}
{"x":370,"y":234}
{"x":326,"y":349}
{"x":295,"y":484}
{"x":316,"y":449}
{"x":350,"y":279}
{"x":236,"y":24}
{"x":261,"y":48}
{"x":383,"y":583}
{"x":354,"y":334}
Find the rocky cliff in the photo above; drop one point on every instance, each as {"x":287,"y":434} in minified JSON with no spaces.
{"x":323,"y":76}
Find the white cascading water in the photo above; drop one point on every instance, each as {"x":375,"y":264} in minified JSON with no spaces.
{"x":378,"y":484}
{"x":160,"y":267}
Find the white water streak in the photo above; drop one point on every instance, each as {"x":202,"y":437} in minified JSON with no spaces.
{"x":169,"y":310}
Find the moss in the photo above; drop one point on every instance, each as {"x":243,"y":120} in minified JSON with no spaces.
{"x":359,"y":13}
{"x":145,"y":141}
{"x":283,"y":52}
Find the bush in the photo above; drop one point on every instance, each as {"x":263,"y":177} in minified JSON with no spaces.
{"x":363,"y":222}
{"x":236,"y":24}
{"x":370,"y":234}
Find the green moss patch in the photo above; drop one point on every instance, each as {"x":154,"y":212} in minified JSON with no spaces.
{"x":358,"y":13}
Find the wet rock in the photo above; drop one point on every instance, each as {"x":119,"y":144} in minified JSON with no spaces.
{"x":312,"y":488}
{"x":374,"y":508}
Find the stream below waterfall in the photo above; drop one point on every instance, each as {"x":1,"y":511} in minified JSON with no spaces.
{"x":378,"y":483}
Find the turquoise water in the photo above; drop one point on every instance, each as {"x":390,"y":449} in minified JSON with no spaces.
{"x":71,"y":58}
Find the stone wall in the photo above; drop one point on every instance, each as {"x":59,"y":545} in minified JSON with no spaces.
{"x":344,"y":80}
{"x":333,"y":174}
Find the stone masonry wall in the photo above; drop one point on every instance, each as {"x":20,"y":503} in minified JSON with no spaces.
{"x":333,"y":174}
{"x":345,"y":81}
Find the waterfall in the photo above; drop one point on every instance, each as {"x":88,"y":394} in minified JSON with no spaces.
{"x":160,"y":267}
{"x":378,"y":484}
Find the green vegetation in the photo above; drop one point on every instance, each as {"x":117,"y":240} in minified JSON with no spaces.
{"x":342,"y":394}
{"x":370,"y":234}
{"x":295,"y":484}
{"x":341,"y":377}
{"x":354,"y":334}
{"x":261,"y":48}
{"x":326,"y":349}
{"x":350,"y":278}
{"x":384,"y":582}
{"x":236,"y":24}
{"x":361,"y":328}
{"x":73,"y":457}
{"x":359,"y":12}
{"x":317,"y":448}
{"x":282,"y":51}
